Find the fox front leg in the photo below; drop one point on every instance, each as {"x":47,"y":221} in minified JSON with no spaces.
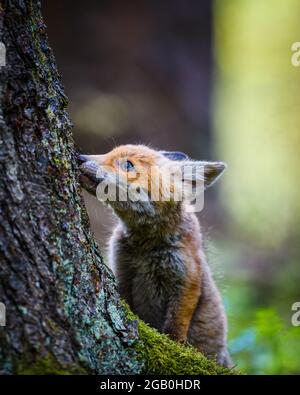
{"x":180,"y":310}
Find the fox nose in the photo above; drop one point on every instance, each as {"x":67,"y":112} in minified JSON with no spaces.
{"x":90,"y":168}
{"x":82,"y":158}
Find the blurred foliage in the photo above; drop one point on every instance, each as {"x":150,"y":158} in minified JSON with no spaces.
{"x":263,"y":342}
{"x":257,"y":121}
{"x":257,"y":124}
{"x":258,"y":299}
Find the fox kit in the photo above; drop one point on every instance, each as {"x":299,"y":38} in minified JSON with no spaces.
{"x":156,"y":249}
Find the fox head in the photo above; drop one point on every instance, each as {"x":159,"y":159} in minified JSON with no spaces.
{"x":141,"y":183}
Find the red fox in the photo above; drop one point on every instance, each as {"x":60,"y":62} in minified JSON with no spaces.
{"x":156,"y":249}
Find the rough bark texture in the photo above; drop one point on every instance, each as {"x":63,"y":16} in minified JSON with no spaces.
{"x":64,"y":315}
{"x":60,"y":298}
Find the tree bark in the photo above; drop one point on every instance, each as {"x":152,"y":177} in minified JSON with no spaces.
{"x":61,"y":304}
{"x":63,"y":311}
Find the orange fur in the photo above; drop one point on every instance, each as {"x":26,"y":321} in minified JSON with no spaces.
{"x":147,"y":163}
{"x":156,"y":249}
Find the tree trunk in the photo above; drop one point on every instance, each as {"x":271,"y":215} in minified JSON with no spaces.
{"x":63,"y":314}
{"x":60,"y":298}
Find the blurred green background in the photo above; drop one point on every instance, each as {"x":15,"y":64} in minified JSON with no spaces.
{"x":213,"y":79}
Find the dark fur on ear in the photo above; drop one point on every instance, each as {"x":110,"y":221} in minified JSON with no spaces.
{"x":212,"y":172}
{"x":174,"y":155}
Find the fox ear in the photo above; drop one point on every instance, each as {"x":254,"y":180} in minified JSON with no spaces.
{"x":174,"y":155}
{"x":212,"y":172}
{"x":203,"y":172}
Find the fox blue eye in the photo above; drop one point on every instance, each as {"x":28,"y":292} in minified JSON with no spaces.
{"x":127,"y":165}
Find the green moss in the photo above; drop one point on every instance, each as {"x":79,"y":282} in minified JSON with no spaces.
{"x":46,"y":365}
{"x":164,"y":356}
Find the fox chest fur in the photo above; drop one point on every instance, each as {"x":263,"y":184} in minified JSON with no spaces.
{"x":149,"y":272}
{"x":152,"y":270}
